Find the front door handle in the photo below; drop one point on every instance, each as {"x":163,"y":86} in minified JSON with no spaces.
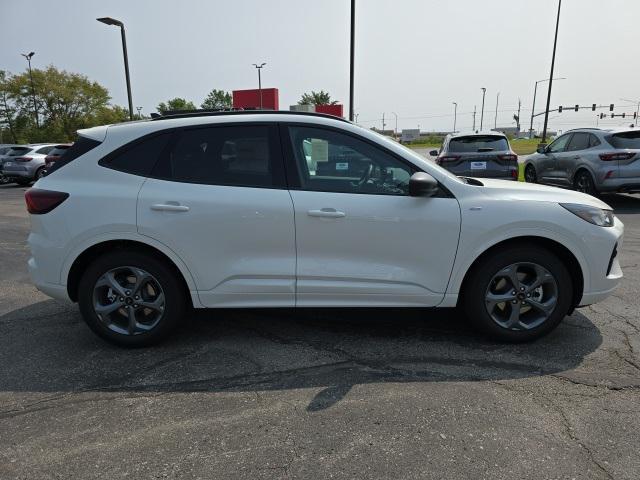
{"x":169,"y":207}
{"x":326,"y":213}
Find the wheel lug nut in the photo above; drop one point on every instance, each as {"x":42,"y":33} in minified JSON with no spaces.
{"x":122,"y":299}
{"x":522,"y":289}
{"x":528,"y":295}
{"x":137,"y":297}
{"x":513,"y":293}
{"x":514,"y":301}
{"x":128,"y":292}
{"x":524,"y":303}
{"x":135,"y":305}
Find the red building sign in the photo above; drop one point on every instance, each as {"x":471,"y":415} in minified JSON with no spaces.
{"x":250,"y":99}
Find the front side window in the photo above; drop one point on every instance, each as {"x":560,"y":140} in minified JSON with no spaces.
{"x":579,"y":141}
{"x":559,"y":144}
{"x":225,"y":155}
{"x":330,"y":161}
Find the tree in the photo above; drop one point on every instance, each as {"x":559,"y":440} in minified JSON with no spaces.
{"x":176,"y":104}
{"x":66,"y":102}
{"x":217,"y":99}
{"x":316,"y":98}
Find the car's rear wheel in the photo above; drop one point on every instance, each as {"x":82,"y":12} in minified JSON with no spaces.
{"x":530,"y":174}
{"x":519,"y":294}
{"x":40,"y":173}
{"x":3,"y":180}
{"x":584,"y":183}
{"x":131,"y":299}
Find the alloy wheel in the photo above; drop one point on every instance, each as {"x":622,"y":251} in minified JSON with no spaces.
{"x":521,"y":296}
{"x":128,"y":300}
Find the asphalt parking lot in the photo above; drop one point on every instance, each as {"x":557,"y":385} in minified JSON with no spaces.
{"x":317,"y":393}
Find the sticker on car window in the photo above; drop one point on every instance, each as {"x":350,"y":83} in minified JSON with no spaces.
{"x":342,"y":166}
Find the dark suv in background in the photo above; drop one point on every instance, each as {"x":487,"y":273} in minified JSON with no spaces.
{"x":590,"y":160}
{"x":480,"y":154}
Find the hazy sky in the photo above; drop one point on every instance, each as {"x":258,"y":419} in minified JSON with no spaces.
{"x":413,"y":57}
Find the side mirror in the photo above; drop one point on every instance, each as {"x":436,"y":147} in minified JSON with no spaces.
{"x":433,"y":153}
{"x":541,"y":149}
{"x":422,"y":184}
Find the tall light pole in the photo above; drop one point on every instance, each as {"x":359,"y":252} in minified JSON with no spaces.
{"x":553,"y":61}
{"x":139,"y":109}
{"x":533,"y":108}
{"x":474,"y":118}
{"x":484,"y":91}
{"x":495,"y":120}
{"x":118,"y":23}
{"x":33,"y":88}
{"x":455,"y":115}
{"x":259,"y":68}
{"x":351,"y":57}
{"x":395,"y":131}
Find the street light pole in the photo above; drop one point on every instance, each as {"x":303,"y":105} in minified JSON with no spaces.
{"x":484,"y":91}
{"x":118,"y":23}
{"x":351,"y":57}
{"x":553,"y":61}
{"x":533,"y":108}
{"x":139,"y":109}
{"x":33,"y":88}
{"x":455,"y":115}
{"x":474,"y":118}
{"x":395,"y":131}
{"x":259,"y":67}
{"x":495,"y":120}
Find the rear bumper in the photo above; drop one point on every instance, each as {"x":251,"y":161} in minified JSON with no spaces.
{"x":623,"y":185}
{"x":53,"y":290}
{"x":14,"y":172}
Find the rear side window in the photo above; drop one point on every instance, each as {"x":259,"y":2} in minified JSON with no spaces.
{"x":625,"y":140}
{"x":478,"y":143}
{"x":246,"y":156}
{"x":59,"y":150}
{"x":17,"y":151}
{"x":139,"y":157}
{"x":593,"y":140}
{"x":44,"y":150}
{"x":579,"y":141}
{"x":79,"y":148}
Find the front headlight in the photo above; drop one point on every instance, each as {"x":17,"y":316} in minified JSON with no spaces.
{"x":595,"y":215}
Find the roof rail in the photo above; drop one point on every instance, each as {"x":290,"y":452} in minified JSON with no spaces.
{"x":213,"y":113}
{"x":582,"y":128}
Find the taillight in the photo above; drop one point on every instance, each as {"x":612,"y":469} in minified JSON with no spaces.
{"x":508,"y":157}
{"x":43,"y":201}
{"x":514,"y":174}
{"x":23,"y":159}
{"x":609,"y":157}
{"x":447,"y":158}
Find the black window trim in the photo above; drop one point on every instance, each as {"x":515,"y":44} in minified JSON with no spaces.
{"x":279,"y":180}
{"x":293,"y":172}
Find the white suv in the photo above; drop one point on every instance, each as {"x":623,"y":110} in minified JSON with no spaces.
{"x":140,"y":221}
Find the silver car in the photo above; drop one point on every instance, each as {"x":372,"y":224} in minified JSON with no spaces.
{"x":590,"y":160}
{"x":478,"y":154}
{"x":26,"y":163}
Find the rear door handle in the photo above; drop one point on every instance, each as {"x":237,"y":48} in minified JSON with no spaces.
{"x":326,"y":213}
{"x":169,"y":207}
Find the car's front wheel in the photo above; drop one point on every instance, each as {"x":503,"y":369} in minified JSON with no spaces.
{"x":518,"y":294}
{"x":132,"y":299}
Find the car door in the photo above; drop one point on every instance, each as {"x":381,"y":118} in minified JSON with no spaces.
{"x":551,"y":172}
{"x":218,"y":199}
{"x":574,"y":153}
{"x":361,"y":239}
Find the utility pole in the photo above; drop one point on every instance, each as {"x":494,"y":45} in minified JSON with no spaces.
{"x":383,"y":124}
{"x":351,"y":57}
{"x":518,"y":122}
{"x":553,"y":61}
{"x":484,"y":91}
{"x":395,"y":131}
{"x":455,"y":115}
{"x":495,"y":120}
{"x":259,"y":68}
{"x":474,"y":118}
{"x":33,"y":88}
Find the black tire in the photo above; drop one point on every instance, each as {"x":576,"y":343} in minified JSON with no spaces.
{"x":175,"y":301}
{"x":3,"y":180}
{"x":583,"y":182}
{"x":39,"y":174}
{"x":477,"y":285}
{"x":530,"y":175}
{"x":23,"y":182}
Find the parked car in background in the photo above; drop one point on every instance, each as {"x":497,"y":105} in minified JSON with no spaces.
{"x":26,"y":163}
{"x":590,"y":160}
{"x":4,"y":150}
{"x":55,"y":154}
{"x":140,"y":221}
{"x":481,"y":154}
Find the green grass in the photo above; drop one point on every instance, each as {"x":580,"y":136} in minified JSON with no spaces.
{"x":526,"y":146}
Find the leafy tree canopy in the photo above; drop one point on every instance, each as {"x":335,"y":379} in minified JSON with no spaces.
{"x":176,"y":104}
{"x":217,"y":99}
{"x":316,"y":98}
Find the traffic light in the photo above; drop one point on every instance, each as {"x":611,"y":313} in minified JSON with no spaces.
{"x":623,"y":114}
{"x":611,"y":107}
{"x":612,"y":115}
{"x":601,"y":115}
{"x":560,"y":109}
{"x":577,"y":107}
{"x":635,"y":115}
{"x":593,"y":107}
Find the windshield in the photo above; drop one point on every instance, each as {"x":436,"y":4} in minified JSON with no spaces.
{"x":478,"y":143}
{"x":414,"y":156}
{"x":625,"y":139}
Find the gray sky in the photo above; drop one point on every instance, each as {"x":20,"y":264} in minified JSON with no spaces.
{"x":413,"y":57}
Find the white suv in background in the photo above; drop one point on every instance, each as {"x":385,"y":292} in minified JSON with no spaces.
{"x":139,"y":221}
